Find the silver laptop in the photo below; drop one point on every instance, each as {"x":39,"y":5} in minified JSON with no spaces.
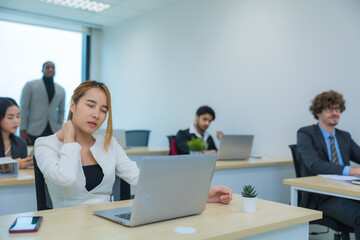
{"x":168,"y":187}
{"x":235,"y":147}
{"x":119,"y":135}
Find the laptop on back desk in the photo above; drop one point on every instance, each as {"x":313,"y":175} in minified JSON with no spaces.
{"x":235,"y":147}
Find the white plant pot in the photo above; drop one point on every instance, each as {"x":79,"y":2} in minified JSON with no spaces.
{"x":195,"y":152}
{"x":249,"y":204}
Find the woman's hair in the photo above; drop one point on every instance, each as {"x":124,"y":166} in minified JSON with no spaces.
{"x":5,"y":103}
{"x":327,"y":99}
{"x":81,"y":90}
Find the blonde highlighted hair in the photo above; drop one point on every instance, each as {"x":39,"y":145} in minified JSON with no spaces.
{"x":80,"y":91}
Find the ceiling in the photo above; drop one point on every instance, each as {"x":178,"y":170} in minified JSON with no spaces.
{"x":120,"y":10}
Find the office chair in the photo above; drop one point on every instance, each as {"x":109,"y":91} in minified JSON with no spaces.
{"x":121,"y":190}
{"x":137,"y":138}
{"x":172,"y":145}
{"x":341,"y":231}
{"x":43,"y":200}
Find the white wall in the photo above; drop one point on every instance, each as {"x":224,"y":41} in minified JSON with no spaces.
{"x":258,"y":63}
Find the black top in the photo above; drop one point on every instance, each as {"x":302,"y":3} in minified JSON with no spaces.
{"x":93,"y":176}
{"x":183,"y":136}
{"x":18,"y":149}
{"x":50,"y":88}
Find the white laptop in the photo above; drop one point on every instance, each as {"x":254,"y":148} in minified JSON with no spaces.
{"x":235,"y":147}
{"x":168,"y":187}
{"x":119,"y":135}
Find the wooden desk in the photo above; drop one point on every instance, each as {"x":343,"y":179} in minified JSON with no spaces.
{"x":147,"y":150}
{"x":26,"y":176}
{"x":267,"y":174}
{"x":322,"y":185}
{"x":253,"y":162}
{"x":270,"y":221}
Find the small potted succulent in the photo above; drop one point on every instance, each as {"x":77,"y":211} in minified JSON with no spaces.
{"x":249,"y":197}
{"x":196,"y":145}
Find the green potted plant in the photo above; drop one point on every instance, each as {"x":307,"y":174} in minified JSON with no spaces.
{"x":249,"y":197}
{"x":196,"y":145}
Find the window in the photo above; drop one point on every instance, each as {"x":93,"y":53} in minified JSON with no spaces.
{"x":24,"y":48}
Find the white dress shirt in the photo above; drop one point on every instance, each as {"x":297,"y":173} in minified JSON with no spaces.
{"x":192,"y":130}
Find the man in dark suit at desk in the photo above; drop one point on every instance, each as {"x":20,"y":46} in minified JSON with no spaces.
{"x":204,"y":116}
{"x":325,"y":149}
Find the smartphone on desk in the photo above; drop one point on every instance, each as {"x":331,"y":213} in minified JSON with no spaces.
{"x":26,"y":224}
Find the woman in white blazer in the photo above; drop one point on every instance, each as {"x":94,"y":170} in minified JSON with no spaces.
{"x":80,"y":168}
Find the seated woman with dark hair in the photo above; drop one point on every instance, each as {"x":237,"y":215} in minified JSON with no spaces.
{"x":11,"y":145}
{"x":79,"y":167}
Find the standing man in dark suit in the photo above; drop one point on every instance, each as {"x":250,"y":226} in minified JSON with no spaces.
{"x":325,"y":149}
{"x":204,"y":116}
{"x":42,"y":106}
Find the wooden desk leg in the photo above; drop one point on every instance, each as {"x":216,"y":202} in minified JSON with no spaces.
{"x":294,"y":196}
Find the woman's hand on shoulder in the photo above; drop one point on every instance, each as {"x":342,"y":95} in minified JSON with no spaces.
{"x":66,"y":133}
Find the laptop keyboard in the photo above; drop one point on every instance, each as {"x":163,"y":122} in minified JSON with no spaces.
{"x":124,"y":215}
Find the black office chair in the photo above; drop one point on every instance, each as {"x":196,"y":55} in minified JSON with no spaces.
{"x":43,"y":199}
{"x":341,"y":231}
{"x":137,"y":138}
{"x":121,"y":190}
{"x":172,"y":145}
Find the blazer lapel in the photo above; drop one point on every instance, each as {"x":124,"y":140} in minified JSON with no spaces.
{"x":42,"y":90}
{"x":321,"y":139}
{"x":341,"y":141}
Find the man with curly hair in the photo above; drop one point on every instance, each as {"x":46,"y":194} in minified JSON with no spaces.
{"x":325,"y":149}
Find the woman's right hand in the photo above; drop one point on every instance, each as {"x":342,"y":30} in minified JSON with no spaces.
{"x":25,"y":162}
{"x":66,"y":133}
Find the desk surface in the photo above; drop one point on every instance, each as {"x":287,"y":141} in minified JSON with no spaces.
{"x":26,"y":176}
{"x":218,"y":220}
{"x":252,"y":162}
{"x":147,"y":150}
{"x":326,"y":185}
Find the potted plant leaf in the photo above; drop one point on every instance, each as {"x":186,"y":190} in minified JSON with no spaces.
{"x":196,"y":145}
{"x":249,"y":197}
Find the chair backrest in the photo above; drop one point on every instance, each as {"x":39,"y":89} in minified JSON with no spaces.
{"x":303,"y":198}
{"x":296,"y":159}
{"x":137,"y":138}
{"x":43,"y":199}
{"x":172,"y":145}
{"x":121,"y":190}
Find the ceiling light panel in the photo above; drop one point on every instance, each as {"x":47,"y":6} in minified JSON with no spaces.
{"x":86,"y":5}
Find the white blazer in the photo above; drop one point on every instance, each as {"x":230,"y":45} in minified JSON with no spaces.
{"x":62,"y":169}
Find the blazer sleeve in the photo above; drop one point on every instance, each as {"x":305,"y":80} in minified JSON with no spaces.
{"x":309,"y":150}
{"x":25,"y":105}
{"x":354,"y":151}
{"x":126,"y":169}
{"x":181,"y":143}
{"x":60,"y":166}
{"x":19,"y":149}
{"x":211,"y":144}
{"x":22,"y":147}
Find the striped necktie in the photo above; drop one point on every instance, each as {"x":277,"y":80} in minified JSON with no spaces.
{"x":334,"y":155}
